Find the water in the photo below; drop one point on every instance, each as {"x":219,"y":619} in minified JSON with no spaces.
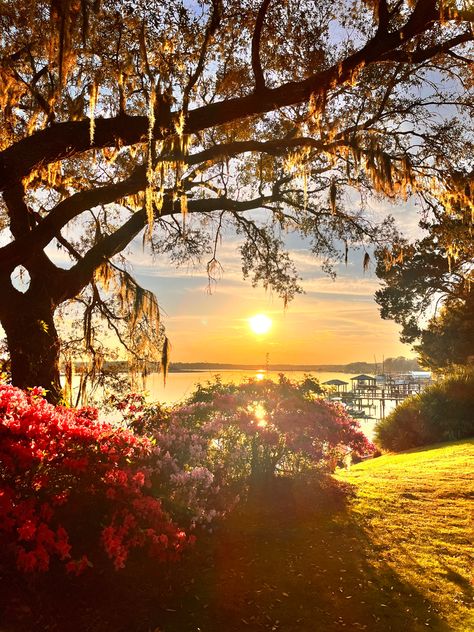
{"x":181,"y":385}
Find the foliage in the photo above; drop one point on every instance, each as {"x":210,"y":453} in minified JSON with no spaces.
{"x":442,"y":412}
{"x":227,"y":437}
{"x":448,"y":340}
{"x":418,"y":277}
{"x":95,"y":332}
{"x":192,"y":485}
{"x":75,"y":489}
{"x":263,"y":428}
{"x":118,"y":117}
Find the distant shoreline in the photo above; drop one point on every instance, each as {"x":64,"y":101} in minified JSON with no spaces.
{"x":352,"y":367}
{"x":391,"y":365}
{"x":259,"y":367}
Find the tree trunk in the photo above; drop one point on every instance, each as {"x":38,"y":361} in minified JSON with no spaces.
{"x":33,"y":342}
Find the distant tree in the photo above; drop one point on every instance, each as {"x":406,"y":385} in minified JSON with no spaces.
{"x":432,"y":277}
{"x":118,"y":116}
{"x":448,"y":339}
{"x":400,"y":365}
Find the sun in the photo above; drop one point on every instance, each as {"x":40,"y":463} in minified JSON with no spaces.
{"x":260,"y":324}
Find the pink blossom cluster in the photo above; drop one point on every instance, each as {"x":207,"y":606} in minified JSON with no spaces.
{"x":265,"y":426}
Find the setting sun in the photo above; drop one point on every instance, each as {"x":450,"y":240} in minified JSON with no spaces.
{"x":260,"y":324}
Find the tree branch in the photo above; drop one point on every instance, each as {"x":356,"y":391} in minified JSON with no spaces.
{"x":77,"y":277}
{"x":420,"y":55}
{"x":210,"y":30}
{"x":257,"y":34}
{"x":63,"y":140}
{"x":383,"y":16}
{"x":26,"y":244}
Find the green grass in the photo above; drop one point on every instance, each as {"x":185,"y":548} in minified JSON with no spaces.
{"x":416,"y":508}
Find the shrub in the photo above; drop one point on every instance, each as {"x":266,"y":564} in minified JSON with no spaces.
{"x":444,"y":411}
{"x":227,"y":436}
{"x":261,"y":428}
{"x":185,"y":476}
{"x":76,"y":490}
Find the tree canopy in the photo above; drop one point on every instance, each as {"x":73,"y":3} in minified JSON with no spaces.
{"x":127,"y":117}
{"x":432,"y":276}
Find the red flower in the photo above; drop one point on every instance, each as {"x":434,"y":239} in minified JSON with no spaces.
{"x":27,"y":530}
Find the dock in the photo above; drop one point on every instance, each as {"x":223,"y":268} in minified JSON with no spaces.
{"x":372,"y":397}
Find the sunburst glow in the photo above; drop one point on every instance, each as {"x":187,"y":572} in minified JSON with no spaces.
{"x":260,"y":324}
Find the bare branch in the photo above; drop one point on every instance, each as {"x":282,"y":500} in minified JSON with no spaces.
{"x":421,"y":55}
{"x":257,"y":34}
{"x":210,"y":31}
{"x":75,"y":279}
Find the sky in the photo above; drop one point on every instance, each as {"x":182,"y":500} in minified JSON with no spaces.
{"x":333,"y":322}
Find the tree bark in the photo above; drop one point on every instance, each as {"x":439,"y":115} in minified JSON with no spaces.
{"x":33,"y":342}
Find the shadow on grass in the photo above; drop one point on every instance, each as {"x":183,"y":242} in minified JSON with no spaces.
{"x":291,"y":559}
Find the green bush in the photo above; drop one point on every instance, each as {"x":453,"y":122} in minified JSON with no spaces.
{"x":442,"y":412}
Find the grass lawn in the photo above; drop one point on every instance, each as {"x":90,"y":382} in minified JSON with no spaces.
{"x":383,"y":547}
{"x":417,"y":510}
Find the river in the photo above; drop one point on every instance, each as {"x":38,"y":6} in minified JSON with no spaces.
{"x":181,"y":384}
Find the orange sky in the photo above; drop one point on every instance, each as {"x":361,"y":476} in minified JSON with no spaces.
{"x":334,"y":322}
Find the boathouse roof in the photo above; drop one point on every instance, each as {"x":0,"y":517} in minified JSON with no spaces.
{"x":336,"y":383}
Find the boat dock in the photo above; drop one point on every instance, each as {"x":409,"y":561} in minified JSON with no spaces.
{"x":372,"y":397}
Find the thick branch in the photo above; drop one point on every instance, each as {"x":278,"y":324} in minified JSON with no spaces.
{"x":14,"y":198}
{"x":64,"y":140}
{"x":383,"y":16}
{"x":27,"y":244}
{"x":21,"y":222}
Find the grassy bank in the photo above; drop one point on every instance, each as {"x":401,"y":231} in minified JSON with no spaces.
{"x":416,"y":508}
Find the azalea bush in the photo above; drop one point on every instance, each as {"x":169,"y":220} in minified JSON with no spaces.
{"x":190,"y":483}
{"x":249,"y":432}
{"x":75,"y":490}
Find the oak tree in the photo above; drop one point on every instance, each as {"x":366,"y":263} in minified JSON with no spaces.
{"x":427,"y":288}
{"x":122,"y":118}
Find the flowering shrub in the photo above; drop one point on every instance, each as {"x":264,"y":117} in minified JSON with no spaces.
{"x":73,"y":488}
{"x":228,"y":434}
{"x":441,"y":412}
{"x":183,"y":475}
{"x":282,"y":426}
